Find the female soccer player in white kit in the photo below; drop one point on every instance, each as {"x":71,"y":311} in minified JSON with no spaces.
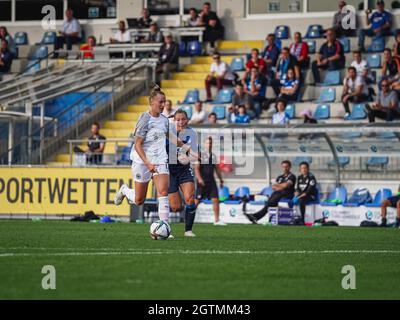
{"x":149,"y":157}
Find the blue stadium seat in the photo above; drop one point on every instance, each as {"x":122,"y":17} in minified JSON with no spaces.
{"x":314,"y":31}
{"x":182,"y":49}
{"x":377,"y":45}
{"x":223,"y":193}
{"x":343,"y":161}
{"x":237,"y":64}
{"x":224,"y":96}
{"x":386,"y":135}
{"x":377,"y":161}
{"x":282,"y":32}
{"x":220,"y":111}
{"x":327,"y":95}
{"x":125,"y":157}
{"x":345,"y":43}
{"x":381,"y":195}
{"x":49,"y":37}
{"x":322,"y":112}
{"x":188,"y":109}
{"x":21,"y":38}
{"x":339,"y":194}
{"x":193,"y":48}
{"x":312,"y":46}
{"x":267,"y":191}
{"x":374,"y":60}
{"x":242,"y":193}
{"x":192,"y":96}
{"x":291,"y":111}
{"x":299,"y":160}
{"x":332,"y":78}
{"x":278,"y":43}
{"x":357,"y":113}
{"x":351,"y":135}
{"x":360,"y":196}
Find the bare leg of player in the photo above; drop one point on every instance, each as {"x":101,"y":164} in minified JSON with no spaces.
{"x":217,"y":222}
{"x":135,"y":196}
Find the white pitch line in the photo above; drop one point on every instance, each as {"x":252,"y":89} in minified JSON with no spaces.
{"x":194,"y":252}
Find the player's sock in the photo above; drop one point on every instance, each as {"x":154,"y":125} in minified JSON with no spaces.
{"x":190,"y":214}
{"x":129,"y":194}
{"x":163,"y":208}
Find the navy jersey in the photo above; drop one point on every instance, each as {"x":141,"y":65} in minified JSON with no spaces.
{"x":291,"y":179}
{"x":307,"y":184}
{"x":189,"y":138}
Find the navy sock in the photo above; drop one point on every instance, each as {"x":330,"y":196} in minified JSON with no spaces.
{"x":190,"y":214}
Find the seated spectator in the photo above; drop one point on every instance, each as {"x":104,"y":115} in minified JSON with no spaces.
{"x":144,"y":21}
{"x":392,"y":202}
{"x":220,"y":75}
{"x":396,"y":46}
{"x":122,"y":35}
{"x":87,"y":48}
{"x":199,"y":115}
{"x":354,"y":89}
{"x":242,"y":116}
{"x":280,"y":117}
{"x":154,"y":35}
{"x":380,"y":21}
{"x":168,"y":110}
{"x":168,"y":57}
{"x":256,"y":61}
{"x":6,"y":58}
{"x":71,"y":32}
{"x":194,"y":19}
{"x":271,"y":54}
{"x":306,"y":189}
{"x":214,"y":29}
{"x":390,"y":67}
{"x":96,"y":145}
{"x":240,"y":97}
{"x":361,"y":67}
{"x":330,"y":56}
{"x":11,"y":44}
{"x":285,"y":62}
{"x":338,"y":19}
{"x":299,"y":49}
{"x":290,"y":87}
{"x":232,"y":112}
{"x":212,"y":118}
{"x":256,"y":86}
{"x":386,"y":106}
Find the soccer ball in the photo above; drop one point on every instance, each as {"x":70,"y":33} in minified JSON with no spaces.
{"x":183,"y":158}
{"x":160,"y":230}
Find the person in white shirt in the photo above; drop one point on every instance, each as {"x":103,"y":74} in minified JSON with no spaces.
{"x":71,"y":32}
{"x":122,"y":35}
{"x":199,"y":115}
{"x":220,"y":75}
{"x":194,"y":19}
{"x":169,"y":110}
{"x":355,"y":89}
{"x":281,"y":116}
{"x":362,"y":66}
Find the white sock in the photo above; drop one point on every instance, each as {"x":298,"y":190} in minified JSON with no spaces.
{"x":163,"y":208}
{"x":129,"y":193}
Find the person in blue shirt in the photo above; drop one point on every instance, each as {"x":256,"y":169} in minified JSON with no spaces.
{"x":5,"y":57}
{"x":380,"y":21}
{"x":256,"y":86}
{"x":242,"y":117}
{"x":271,"y":54}
{"x":290,"y":87}
{"x":286,"y":61}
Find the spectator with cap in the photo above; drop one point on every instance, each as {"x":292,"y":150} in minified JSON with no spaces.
{"x":380,"y":21}
{"x":386,"y":106}
{"x":168,"y":57}
{"x":271,"y":54}
{"x":122,"y":35}
{"x":299,"y":49}
{"x":6,"y":58}
{"x":340,"y":17}
{"x":71,"y":32}
{"x":220,"y":75}
{"x":145,"y":20}
{"x":154,"y":35}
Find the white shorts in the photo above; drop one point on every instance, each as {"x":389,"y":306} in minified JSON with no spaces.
{"x":141,"y":173}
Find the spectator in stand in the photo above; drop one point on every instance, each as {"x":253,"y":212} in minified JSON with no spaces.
{"x":232,"y":112}
{"x":390,"y":67}
{"x":386,"y":106}
{"x":285,"y":62}
{"x":256,"y":61}
{"x":355,"y":89}
{"x":212,"y":118}
{"x":256,"y":87}
{"x":240,"y":97}
{"x":392,"y":202}
{"x":280,"y":117}
{"x":361,"y":66}
{"x":169,"y":110}
{"x":299,"y":49}
{"x":330,"y":56}
{"x":5,"y":58}
{"x":154,"y":35}
{"x":194,"y":19}
{"x":380,"y":21}
{"x":87,"y":48}
{"x":290,"y":87}
{"x":11,"y":44}
{"x":220,"y":75}
{"x":122,"y":35}
{"x":242,"y":116}
{"x":396,"y":46}
{"x":96,"y":145}
{"x":214,"y":29}
{"x":71,"y":32}
{"x":144,"y":21}
{"x":168,"y":57}
{"x":199,"y":115}
{"x":271,"y":54}
{"x":337,"y":25}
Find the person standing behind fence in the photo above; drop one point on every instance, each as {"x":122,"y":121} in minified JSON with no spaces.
{"x":96,"y":145}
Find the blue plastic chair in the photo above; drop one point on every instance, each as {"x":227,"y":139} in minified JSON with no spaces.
{"x":282,"y":32}
{"x":386,"y":135}
{"x":339,"y":193}
{"x":188,"y":109}
{"x":377,"y":45}
{"x":49,"y":37}
{"x":327,"y":95}
{"x":125,"y":156}
{"x":291,"y":111}
{"x":312,"y":46}
{"x":351,"y":135}
{"x":345,"y":43}
{"x":343,"y":161}
{"x":220,"y":111}
{"x":322,"y":112}
{"x":381,"y":195}
{"x":374,"y":60}
{"x":314,"y":31}
{"x":377,"y":161}
{"x":267,"y":191}
{"x":359,"y":197}
{"x":357,"y":113}
{"x":237,"y":64}
{"x":182,"y":49}
{"x":299,"y":160}
{"x":224,"y":96}
{"x":242,"y":193}
{"x":223,"y":193}
{"x":193,"y":48}
{"x":21,"y":38}
{"x":192,"y":96}
{"x":332,"y":78}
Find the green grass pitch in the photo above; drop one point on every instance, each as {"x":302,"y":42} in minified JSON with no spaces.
{"x":120,"y":261}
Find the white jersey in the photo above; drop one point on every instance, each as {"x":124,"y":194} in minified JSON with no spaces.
{"x":154,"y":131}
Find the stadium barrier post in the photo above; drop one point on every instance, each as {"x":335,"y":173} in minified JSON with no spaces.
{"x":10,"y":141}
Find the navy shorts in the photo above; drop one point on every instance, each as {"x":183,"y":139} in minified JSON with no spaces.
{"x":179,"y":175}
{"x":393,"y":201}
{"x":209,"y":191}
